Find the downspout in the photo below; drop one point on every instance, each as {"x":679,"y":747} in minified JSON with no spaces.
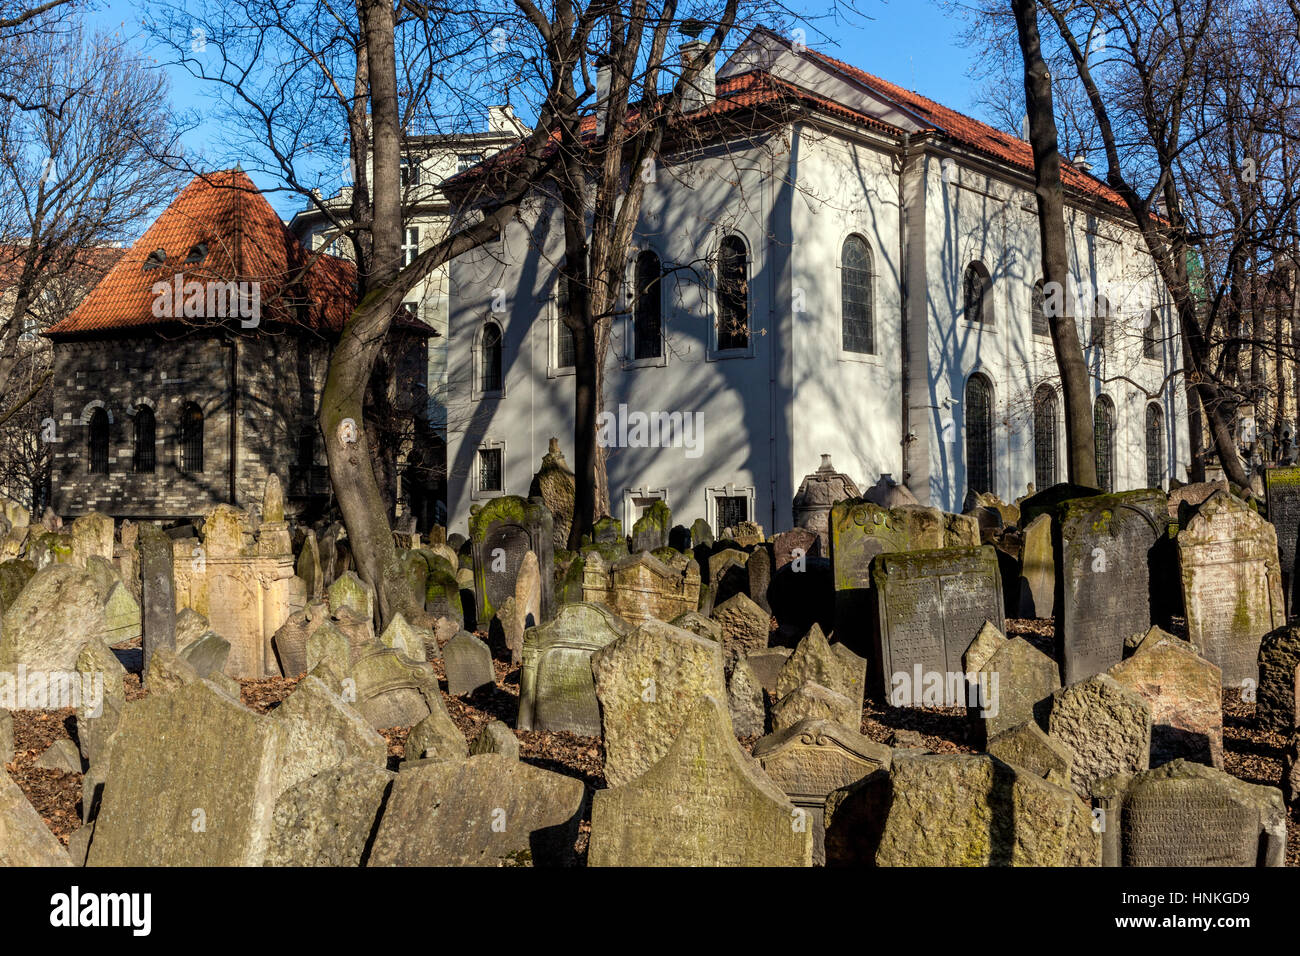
{"x":905,"y":368}
{"x":234,"y":420}
{"x":775,"y":346}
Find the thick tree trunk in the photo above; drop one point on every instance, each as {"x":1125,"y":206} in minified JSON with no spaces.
{"x":587,"y":452}
{"x":1081,"y":453}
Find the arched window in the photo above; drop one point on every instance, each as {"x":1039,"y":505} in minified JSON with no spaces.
{"x":1101,"y":322}
{"x":1038,"y":310}
{"x":977,"y":296}
{"x":142,"y":453}
{"x":1155,"y":445}
{"x":733,"y":294}
{"x":97,"y":442}
{"x":1151,"y":337}
{"x":1103,"y":428}
{"x":855,"y":296}
{"x":646,"y":319}
{"x":979,"y":434}
{"x":490,"y":359}
{"x":1045,"y":425}
{"x":191,"y":438}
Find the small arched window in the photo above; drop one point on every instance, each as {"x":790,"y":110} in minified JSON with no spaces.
{"x":143,"y":457}
{"x":1155,"y":445}
{"x":1103,"y":430}
{"x":979,"y":434}
{"x":1151,"y":336}
{"x":859,"y":333}
{"x":647,"y":315}
{"x":490,"y":359}
{"x":733,"y":294}
{"x":191,"y":438}
{"x":97,"y":442}
{"x":1045,"y":427}
{"x":1038,"y":310}
{"x":977,"y":297}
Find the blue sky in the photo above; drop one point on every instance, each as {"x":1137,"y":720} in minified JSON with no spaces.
{"x":910,"y":42}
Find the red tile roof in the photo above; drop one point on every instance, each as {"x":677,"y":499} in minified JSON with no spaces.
{"x":971,"y":132}
{"x":87,"y":265}
{"x":246,"y":242}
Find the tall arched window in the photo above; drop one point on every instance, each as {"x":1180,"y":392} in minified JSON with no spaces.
{"x":1151,"y":336}
{"x":647,"y":315}
{"x":979,"y":434}
{"x":1103,"y":428}
{"x":142,"y":453}
{"x":191,"y":438}
{"x":1045,"y":425}
{"x":1101,"y":322}
{"x":1155,"y":445}
{"x":733,"y":294}
{"x":490,"y":359}
{"x":977,"y":296}
{"x":97,"y":442}
{"x":1038,"y":310}
{"x":859,"y":333}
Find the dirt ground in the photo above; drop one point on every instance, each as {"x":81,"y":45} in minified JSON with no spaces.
{"x":1249,"y":754}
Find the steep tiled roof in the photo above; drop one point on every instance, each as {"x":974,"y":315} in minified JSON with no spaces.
{"x":244,"y":241}
{"x":971,"y":132}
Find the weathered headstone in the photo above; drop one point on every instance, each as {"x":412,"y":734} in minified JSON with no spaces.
{"x":1232,"y":585}
{"x":503,"y":530}
{"x":642,"y":586}
{"x":744,"y":627}
{"x":25,"y":840}
{"x":51,"y":619}
{"x":647,"y":681}
{"x":745,"y":701}
{"x":554,"y":484}
{"x":759,"y":569}
{"x":326,"y":820}
{"x":817,"y":493}
{"x":810,"y":700}
{"x":814,"y":758}
{"x":487,"y":810}
{"x":556,"y":689}
{"x":794,"y":545}
{"x":1103,"y":550}
{"x":1188,"y":814}
{"x":650,"y":532}
{"x":495,"y":738}
{"x":1282,"y":492}
{"x":932,"y":605}
{"x":833,"y":666}
{"x":1277,"y":708}
{"x":1027,"y":745}
{"x":468,"y":662}
{"x":1106,"y":726}
{"x":1037,"y":569}
{"x":704,"y":803}
{"x":323,"y":731}
{"x":1016,"y":685}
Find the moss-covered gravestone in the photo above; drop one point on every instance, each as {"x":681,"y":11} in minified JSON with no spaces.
{"x":1282,"y":492}
{"x":651,"y":530}
{"x":502,"y":531}
{"x":556,"y":689}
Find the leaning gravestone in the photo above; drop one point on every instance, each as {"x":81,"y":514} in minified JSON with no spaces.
{"x":647,"y":683}
{"x":931,"y":606}
{"x":1106,"y":726}
{"x":1276,"y":704}
{"x":1187,"y":814}
{"x":502,"y":531}
{"x":323,"y":731}
{"x":705,"y":803}
{"x":1282,"y":491}
{"x":468,"y":664}
{"x":859,"y":530}
{"x":813,"y":758}
{"x":486,"y":810}
{"x":51,"y":619}
{"x":327,"y":820}
{"x":192,"y":781}
{"x":1103,"y":547}
{"x":556,"y":689}
{"x":25,"y":840}
{"x":1017,"y":684}
{"x":1037,"y":569}
{"x":1232,"y":584}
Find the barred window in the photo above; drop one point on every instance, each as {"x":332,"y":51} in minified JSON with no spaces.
{"x":648,"y":310}
{"x":97,"y":442}
{"x":191,"y":438}
{"x":565,"y":350}
{"x":859,"y":332}
{"x":490,"y":359}
{"x":732,"y":510}
{"x":1103,"y":428}
{"x":143,"y":457}
{"x":1151,"y":337}
{"x":1045,"y":429}
{"x":1038,"y":310}
{"x":979,"y":434}
{"x":733,"y":294}
{"x":976,"y":289}
{"x":1155,"y":445}
{"x":489,"y":469}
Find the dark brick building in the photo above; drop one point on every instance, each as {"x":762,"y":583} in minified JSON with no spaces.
{"x":194,"y":369}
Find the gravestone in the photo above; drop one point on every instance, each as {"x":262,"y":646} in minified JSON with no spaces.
{"x":556,"y":689}
{"x":650,"y":532}
{"x":793,"y":545}
{"x":1276,"y":703}
{"x":1282,"y":492}
{"x":554,"y":484}
{"x":322,"y":732}
{"x":468,"y":664}
{"x":931,"y":606}
{"x":817,"y":493}
{"x":1103,"y":548}
{"x":327,"y":820}
{"x":158,"y":591}
{"x":1037,"y":569}
{"x":745,"y":701}
{"x":1027,"y":745}
{"x":833,"y":666}
{"x":50,"y":620}
{"x":647,"y":682}
{"x":486,"y":810}
{"x":1018,"y":682}
{"x":1232,"y":585}
{"x":744,"y":628}
{"x":705,"y":803}
{"x":1106,"y":726}
{"x":1188,"y":814}
{"x":811,"y":700}
{"x":814,"y":758}
{"x":25,"y":840}
{"x":642,"y":586}
{"x":502,"y":531}
{"x":759,"y":570}
{"x":495,"y":738}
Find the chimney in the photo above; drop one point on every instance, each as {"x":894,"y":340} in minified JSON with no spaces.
{"x":701,"y":92}
{"x":602,"y":94}
{"x":1080,"y":162}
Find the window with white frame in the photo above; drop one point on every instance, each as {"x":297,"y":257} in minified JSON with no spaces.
{"x":733,"y":294}
{"x":410,"y":172}
{"x":410,"y":245}
{"x":491,"y":470}
{"x":637,"y":500}
{"x":728,"y":506}
{"x":565,"y":356}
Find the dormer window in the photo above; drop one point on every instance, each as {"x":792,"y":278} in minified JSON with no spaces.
{"x":155,"y":259}
{"x":198,"y":252}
